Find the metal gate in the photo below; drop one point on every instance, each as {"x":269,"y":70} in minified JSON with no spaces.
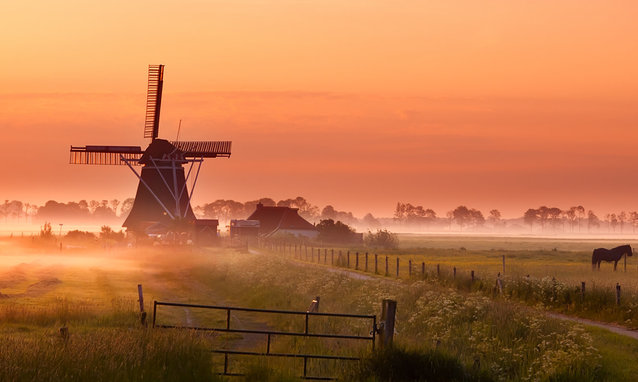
{"x":269,"y":334}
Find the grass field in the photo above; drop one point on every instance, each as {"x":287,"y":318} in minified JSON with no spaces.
{"x":93,"y":292}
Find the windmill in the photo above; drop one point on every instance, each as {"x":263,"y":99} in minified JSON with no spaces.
{"x":162,"y":198}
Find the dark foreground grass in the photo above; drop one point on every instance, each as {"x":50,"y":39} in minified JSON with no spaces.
{"x":399,"y":365}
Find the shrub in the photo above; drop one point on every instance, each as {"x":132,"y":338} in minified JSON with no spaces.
{"x":382,"y":239}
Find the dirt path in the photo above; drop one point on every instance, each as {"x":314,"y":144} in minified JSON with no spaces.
{"x":603,"y":325}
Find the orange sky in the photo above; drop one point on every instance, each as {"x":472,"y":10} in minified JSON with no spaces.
{"x":492,"y":104}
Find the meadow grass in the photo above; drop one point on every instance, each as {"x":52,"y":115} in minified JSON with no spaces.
{"x":493,"y":338}
{"x":546,"y":272}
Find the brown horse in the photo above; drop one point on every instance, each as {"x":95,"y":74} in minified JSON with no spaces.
{"x":614,"y":254}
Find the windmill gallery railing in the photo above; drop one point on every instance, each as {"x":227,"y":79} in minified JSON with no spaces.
{"x":269,"y":334}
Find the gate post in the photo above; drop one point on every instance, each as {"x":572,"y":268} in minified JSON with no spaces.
{"x":386,"y":334}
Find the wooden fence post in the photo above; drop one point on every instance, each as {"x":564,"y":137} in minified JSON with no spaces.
{"x":503,"y":264}
{"x":454,"y":272}
{"x":582,"y":291}
{"x":332,"y":257}
{"x":318,"y":255}
{"x":423,"y":270}
{"x":366,"y":261}
{"x":388,"y":313}
{"x":356,"y":262}
{"x":376,"y":264}
{"x":141,"y":300}
{"x":438,"y":270}
{"x":348,"y":259}
{"x":397,"y":266}
{"x":472,"y":273}
{"x":617,"y":294}
{"x":386,"y":266}
{"x":625,"y":262}
{"x":410,"y":268}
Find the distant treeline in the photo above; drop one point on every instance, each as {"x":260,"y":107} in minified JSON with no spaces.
{"x":406,"y":216}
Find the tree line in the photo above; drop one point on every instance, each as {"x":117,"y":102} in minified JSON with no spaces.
{"x":461,"y":218}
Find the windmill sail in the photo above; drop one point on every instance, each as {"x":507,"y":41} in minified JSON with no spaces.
{"x":153,"y":100}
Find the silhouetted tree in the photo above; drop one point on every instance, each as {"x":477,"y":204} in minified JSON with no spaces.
{"x":370,"y":221}
{"x":494,"y":218}
{"x":622,"y":218}
{"x":335,"y":232}
{"x":530,"y":217}
{"x":592,"y":220}
{"x":306,"y":210}
{"x":126,"y":206}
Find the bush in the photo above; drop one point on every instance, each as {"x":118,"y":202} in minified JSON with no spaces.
{"x":77,"y":235}
{"x":382,"y":239}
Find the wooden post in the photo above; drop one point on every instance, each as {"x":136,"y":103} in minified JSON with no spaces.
{"x":366,"y":261}
{"x":141,"y":300}
{"x":472,"y":273}
{"x":314,"y":306}
{"x":386,"y":266}
{"x":397,"y":266}
{"x":438,"y":270}
{"x":325,"y":256}
{"x":332,"y":257}
{"x":410,"y":268}
{"x":582,"y":291}
{"x":318,"y":255}
{"x":340,"y":259}
{"x":625,"y":262}
{"x":376,"y":264}
{"x":356,"y":262}
{"x":306,"y":252}
{"x":423,"y":270}
{"x":617,"y":294}
{"x":503,"y":264}
{"x":499,"y":285}
{"x":454,"y":270}
{"x":388,"y":313}
{"x":348,"y":255}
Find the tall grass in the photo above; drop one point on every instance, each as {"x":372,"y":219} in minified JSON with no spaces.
{"x":105,"y":355}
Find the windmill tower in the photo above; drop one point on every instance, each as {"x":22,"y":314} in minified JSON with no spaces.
{"x":162,"y":198}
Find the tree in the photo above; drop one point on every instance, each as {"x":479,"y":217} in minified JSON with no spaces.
{"x":613,"y":221}
{"x":494,"y":218}
{"x":633,"y":219}
{"x":622,"y":218}
{"x":328,"y":212}
{"x":126,"y":206}
{"x":335,"y":232}
{"x":461,"y":216}
{"x":306,"y":210}
{"x":530,"y":217}
{"x":370,"y":221}
{"x":592,"y":220}
{"x":581,"y":214}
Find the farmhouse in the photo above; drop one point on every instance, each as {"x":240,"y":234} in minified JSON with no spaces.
{"x":282,"y":221}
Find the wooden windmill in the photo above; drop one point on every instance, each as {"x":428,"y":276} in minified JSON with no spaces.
{"x":162,"y":198}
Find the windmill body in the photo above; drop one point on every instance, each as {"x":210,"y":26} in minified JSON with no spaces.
{"x":162,"y":201}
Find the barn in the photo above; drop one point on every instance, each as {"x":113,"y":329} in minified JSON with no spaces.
{"x":278,"y":221}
